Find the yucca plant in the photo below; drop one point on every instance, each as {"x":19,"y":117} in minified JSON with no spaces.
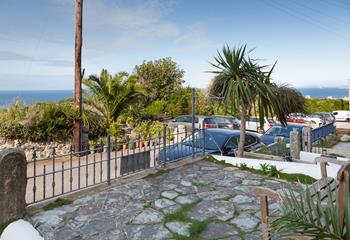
{"x":301,"y":215}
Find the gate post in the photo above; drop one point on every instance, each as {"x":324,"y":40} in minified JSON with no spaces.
{"x":295,"y":144}
{"x":164,"y":145}
{"x":13,"y":184}
{"x":307,"y":139}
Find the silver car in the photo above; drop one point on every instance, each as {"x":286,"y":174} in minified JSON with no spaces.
{"x":186,"y":120}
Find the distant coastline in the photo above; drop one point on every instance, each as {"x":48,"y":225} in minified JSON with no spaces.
{"x":30,"y":96}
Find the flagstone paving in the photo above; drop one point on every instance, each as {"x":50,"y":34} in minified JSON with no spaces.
{"x":202,"y":200}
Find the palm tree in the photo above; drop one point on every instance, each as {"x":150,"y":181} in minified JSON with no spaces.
{"x":304,"y":216}
{"x":244,"y":85}
{"x":109,"y":95}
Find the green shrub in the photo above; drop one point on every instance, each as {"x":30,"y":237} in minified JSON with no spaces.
{"x":46,"y":121}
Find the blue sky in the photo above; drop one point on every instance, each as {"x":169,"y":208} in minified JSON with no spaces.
{"x":309,"y":39}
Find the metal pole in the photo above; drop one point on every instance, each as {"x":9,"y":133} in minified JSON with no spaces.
{"x":164,"y":146}
{"x":78,"y":74}
{"x":108,"y":160}
{"x":193,"y":118}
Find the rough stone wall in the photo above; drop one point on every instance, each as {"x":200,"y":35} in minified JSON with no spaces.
{"x":13,"y":183}
{"x":43,"y":149}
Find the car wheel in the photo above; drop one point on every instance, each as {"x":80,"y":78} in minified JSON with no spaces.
{"x":348,"y":120}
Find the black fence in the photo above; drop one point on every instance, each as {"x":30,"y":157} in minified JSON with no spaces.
{"x":62,"y":174}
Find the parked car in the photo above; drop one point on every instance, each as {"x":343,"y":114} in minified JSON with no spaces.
{"x":342,"y":116}
{"x":253,"y":124}
{"x":315,"y":118}
{"x":186,"y":120}
{"x":227,"y":122}
{"x":327,"y":117}
{"x":216,"y":141}
{"x":279,"y":130}
{"x":296,"y":118}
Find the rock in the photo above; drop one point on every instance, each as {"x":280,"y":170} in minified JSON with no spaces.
{"x":163,"y":203}
{"x":246,"y":222}
{"x":230,"y":169}
{"x":251,"y":182}
{"x":218,"y":230}
{"x":148,"y":216}
{"x":186,"y":183}
{"x":187,"y":199}
{"x":147,"y":232}
{"x":170,"y":194}
{"x":209,"y":168}
{"x":99,"y":223}
{"x":179,"y":228}
{"x":242,"y":199}
{"x":213,"y":195}
{"x":219,"y":210}
{"x":171,"y":209}
{"x":345,"y":138}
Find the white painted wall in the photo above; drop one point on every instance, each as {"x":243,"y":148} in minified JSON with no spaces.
{"x":310,"y":169}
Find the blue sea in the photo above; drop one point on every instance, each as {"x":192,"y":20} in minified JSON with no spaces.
{"x":27,"y":97}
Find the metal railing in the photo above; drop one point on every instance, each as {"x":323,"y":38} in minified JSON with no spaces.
{"x":57,"y":175}
{"x":316,"y":139}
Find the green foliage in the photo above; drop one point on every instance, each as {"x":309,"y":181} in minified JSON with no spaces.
{"x":155,"y":110}
{"x":325,"y":105}
{"x":57,"y":203}
{"x":115,"y":128}
{"x":38,"y":121}
{"x":110,"y":95}
{"x":181,"y":214}
{"x":160,"y":78}
{"x":301,"y":215}
{"x":149,"y":129}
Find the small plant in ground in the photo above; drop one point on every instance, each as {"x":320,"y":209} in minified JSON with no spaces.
{"x":57,"y":203}
{"x":264,"y":168}
{"x":200,"y":184}
{"x":158,"y":173}
{"x":290,"y":177}
{"x":147,"y":205}
{"x":273,"y":171}
{"x":181,"y":214}
{"x":197,"y":227}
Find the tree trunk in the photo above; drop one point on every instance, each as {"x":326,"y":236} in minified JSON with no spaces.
{"x":240,"y":149}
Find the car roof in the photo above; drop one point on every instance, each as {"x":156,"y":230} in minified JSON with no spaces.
{"x":289,"y":125}
{"x":225,"y":131}
{"x":223,"y":116}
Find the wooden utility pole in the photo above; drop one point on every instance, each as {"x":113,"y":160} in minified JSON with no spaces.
{"x":78,"y":74}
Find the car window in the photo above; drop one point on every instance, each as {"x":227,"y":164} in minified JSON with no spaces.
{"x":209,"y":120}
{"x":249,"y":140}
{"x":335,"y":113}
{"x":209,"y":141}
{"x":220,"y":120}
{"x":179,"y":119}
{"x":232,"y":143}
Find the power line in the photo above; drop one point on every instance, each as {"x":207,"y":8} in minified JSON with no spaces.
{"x":303,"y":17}
{"x":321,"y":12}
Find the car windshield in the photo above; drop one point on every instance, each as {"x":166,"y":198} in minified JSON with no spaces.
{"x":281,"y":131}
{"x":211,"y":141}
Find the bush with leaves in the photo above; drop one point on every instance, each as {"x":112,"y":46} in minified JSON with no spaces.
{"x":304,"y":216}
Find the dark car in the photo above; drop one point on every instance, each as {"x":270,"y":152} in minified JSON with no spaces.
{"x":216,"y":141}
{"x":227,"y":122}
{"x":279,"y":131}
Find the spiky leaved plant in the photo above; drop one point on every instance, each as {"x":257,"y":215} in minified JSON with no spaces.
{"x":301,"y":215}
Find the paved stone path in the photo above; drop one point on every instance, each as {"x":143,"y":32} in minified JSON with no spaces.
{"x":197,"y":201}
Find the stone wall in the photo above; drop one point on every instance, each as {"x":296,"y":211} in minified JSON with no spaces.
{"x":43,"y":149}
